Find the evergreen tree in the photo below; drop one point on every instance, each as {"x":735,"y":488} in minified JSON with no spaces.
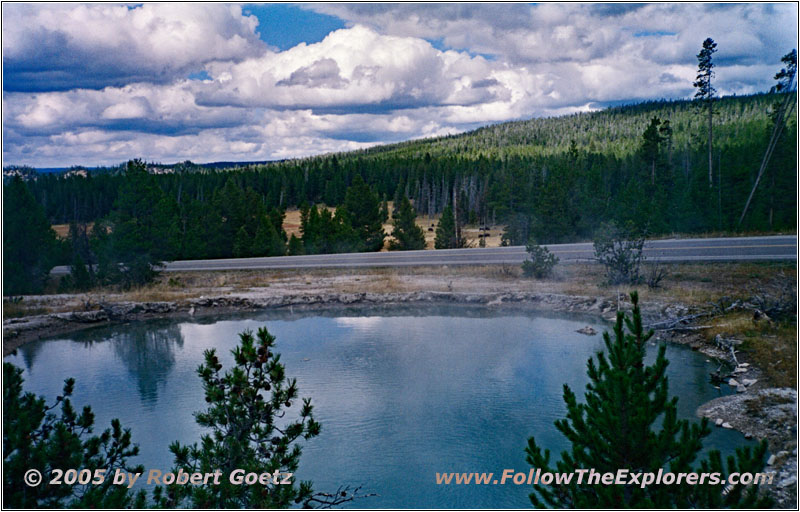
{"x":29,"y":243}
{"x":100,"y":242}
{"x":295,"y":246}
{"x":267,"y":242}
{"x":628,"y":422}
{"x":36,"y":438}
{"x":228,"y":201}
{"x":242,"y":243}
{"x":79,"y":277}
{"x":648,"y":195}
{"x":326,"y":233}
{"x":705,"y":92}
{"x":254,"y":421}
{"x":540,"y":262}
{"x":144,"y":229}
{"x":651,"y":146}
{"x":399,"y":193}
{"x":517,"y":231}
{"x":384,"y":212}
{"x":202,"y":230}
{"x":407,"y":235}
{"x":446,"y":231}
{"x":340,"y":235}
{"x":276,"y":217}
{"x":78,"y":240}
{"x":364,"y":211}
{"x":779,"y":112}
{"x":310,"y":229}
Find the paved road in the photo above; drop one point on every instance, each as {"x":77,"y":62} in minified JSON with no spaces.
{"x":762,"y":248}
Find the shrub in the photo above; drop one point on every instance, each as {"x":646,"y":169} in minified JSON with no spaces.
{"x":541,"y":261}
{"x":655,"y":274}
{"x":620,"y":250}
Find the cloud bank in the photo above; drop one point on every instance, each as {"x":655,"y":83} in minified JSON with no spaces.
{"x":100,"y":83}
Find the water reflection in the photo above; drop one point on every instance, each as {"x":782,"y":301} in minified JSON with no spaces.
{"x":148,"y":355}
{"x":29,"y":351}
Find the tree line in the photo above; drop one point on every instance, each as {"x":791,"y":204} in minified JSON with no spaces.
{"x":147,"y":226}
{"x":488,"y":168}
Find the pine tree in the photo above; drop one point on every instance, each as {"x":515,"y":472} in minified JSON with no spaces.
{"x":36,"y":438}
{"x":203,"y":227}
{"x":399,"y":193}
{"x":295,"y":246}
{"x":541,"y":262}
{"x":326,"y":233}
{"x":517,"y":231}
{"x":144,"y":228}
{"x":407,"y":235}
{"x":705,"y":92}
{"x":255,"y":421}
{"x":79,"y":277}
{"x":446,"y":233}
{"x":364,"y":212}
{"x":651,"y":146}
{"x":267,"y":242}
{"x":242,"y":243}
{"x":29,"y":243}
{"x":276,"y":217}
{"x":628,"y":422}
{"x":779,"y":112}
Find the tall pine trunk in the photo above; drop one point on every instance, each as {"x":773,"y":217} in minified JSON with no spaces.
{"x":710,"y":145}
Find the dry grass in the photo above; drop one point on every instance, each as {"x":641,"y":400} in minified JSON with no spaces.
{"x":771,"y":346}
{"x":153,"y":294}
{"x":775,"y":352}
{"x":384,"y":284}
{"x":690,"y":284}
{"x":17,"y":309}
{"x":62,"y":230}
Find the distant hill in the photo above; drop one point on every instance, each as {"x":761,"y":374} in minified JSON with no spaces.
{"x":616,"y":130}
{"x":556,"y":178}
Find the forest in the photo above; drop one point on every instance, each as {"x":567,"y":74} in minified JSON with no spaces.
{"x":552,"y":180}
{"x":524,"y":167}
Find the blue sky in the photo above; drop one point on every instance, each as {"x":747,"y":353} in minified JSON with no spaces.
{"x":96,"y":84}
{"x":285,"y":25}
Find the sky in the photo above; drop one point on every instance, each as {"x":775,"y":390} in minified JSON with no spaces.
{"x":99,"y":84}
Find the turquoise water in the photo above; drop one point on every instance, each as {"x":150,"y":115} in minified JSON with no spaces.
{"x":401,"y":394}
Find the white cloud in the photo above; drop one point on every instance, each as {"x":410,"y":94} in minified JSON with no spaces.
{"x":353,"y":68}
{"x":136,"y":107}
{"x":63,"y":46}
